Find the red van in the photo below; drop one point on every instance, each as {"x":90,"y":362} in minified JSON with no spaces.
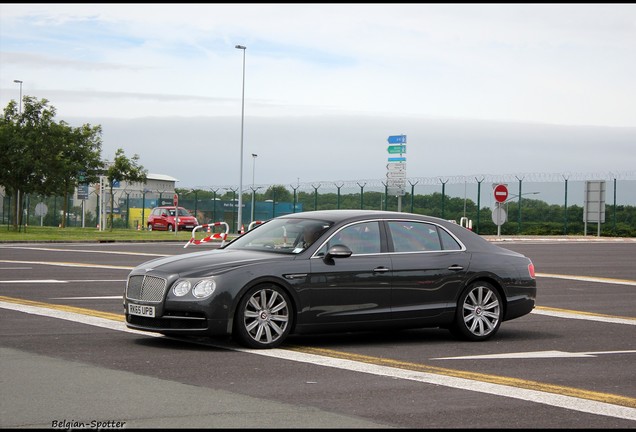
{"x":162,"y":218}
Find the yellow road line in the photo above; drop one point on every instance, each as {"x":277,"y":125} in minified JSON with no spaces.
{"x":417,"y":367}
{"x":64,"y":308}
{"x":475,"y":376}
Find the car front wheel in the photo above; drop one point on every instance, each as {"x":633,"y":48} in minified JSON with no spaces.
{"x":264,"y":317}
{"x":479,"y":312}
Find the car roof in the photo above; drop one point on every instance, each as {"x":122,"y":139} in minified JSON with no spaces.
{"x":352,"y":214}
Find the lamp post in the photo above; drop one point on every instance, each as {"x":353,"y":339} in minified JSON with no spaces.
{"x":20,"y":101}
{"x":254,"y":156}
{"x":240,"y":191}
{"x":17,"y":203}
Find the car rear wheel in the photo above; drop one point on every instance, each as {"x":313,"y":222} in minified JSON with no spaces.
{"x":149,"y":227}
{"x":479,"y":312}
{"x":170,"y":227}
{"x":264,"y":317}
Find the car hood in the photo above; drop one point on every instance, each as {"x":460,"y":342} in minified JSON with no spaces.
{"x":203,"y":263}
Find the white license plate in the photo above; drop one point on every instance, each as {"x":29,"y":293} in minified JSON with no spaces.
{"x":141,"y":310}
{"x":189,"y":226}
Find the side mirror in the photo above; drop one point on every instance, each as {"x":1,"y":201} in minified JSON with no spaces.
{"x":338,"y":251}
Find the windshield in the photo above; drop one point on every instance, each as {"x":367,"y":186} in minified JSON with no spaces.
{"x":182,"y":212}
{"x":285,"y":235}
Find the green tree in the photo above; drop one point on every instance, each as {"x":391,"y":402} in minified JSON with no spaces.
{"x":41,"y":156}
{"x":74,"y":158}
{"x":123,"y":169}
{"x":24,"y":139}
{"x":278,"y":192}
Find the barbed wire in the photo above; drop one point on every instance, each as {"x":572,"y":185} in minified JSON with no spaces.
{"x":380,"y":184}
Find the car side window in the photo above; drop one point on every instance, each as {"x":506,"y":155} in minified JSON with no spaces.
{"x":448,"y":241}
{"x":361,"y":238}
{"x":411,"y":236}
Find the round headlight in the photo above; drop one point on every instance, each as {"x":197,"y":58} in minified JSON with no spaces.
{"x":204,"y":288}
{"x":181,"y":288}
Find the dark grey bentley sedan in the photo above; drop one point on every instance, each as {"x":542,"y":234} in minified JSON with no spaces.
{"x":334,"y":270}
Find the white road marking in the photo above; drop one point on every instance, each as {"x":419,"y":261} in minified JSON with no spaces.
{"x":536,"y":354}
{"x":87,"y":251}
{"x":71,"y":264}
{"x":120,"y":297}
{"x":588,"y":279}
{"x":551,"y":399}
{"x":584,"y":316}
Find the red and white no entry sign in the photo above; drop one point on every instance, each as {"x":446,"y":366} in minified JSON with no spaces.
{"x":501,"y":193}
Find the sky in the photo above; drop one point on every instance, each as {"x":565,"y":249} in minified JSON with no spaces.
{"x":479,"y":90}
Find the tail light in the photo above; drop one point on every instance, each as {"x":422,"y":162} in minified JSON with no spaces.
{"x":531,"y":270}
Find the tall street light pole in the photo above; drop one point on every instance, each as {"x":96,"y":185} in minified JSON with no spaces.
{"x":240,"y":191}
{"x":20,"y":101}
{"x":254,"y":156}
{"x":17,"y":203}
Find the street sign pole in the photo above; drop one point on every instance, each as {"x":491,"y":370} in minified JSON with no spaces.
{"x":396,"y":168}
{"x":498,"y":220}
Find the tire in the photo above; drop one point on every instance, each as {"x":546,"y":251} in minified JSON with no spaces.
{"x":170,"y":227}
{"x":479,"y":312}
{"x":149,"y":227}
{"x":264,"y":317}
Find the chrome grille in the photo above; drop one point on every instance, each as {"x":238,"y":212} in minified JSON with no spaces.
{"x":146,"y":288}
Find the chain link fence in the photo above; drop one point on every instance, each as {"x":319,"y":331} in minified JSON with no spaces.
{"x":537,"y":203}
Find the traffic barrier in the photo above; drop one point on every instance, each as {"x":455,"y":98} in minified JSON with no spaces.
{"x":253,"y":224}
{"x":466,"y":223}
{"x":215,"y":236}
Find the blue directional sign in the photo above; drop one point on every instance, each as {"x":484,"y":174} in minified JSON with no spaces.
{"x":397,"y":139}
{"x":397,"y":159}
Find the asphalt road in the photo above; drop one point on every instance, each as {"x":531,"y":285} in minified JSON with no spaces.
{"x":67,"y":360}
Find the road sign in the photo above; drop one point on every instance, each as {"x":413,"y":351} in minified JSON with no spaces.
{"x":397,"y":139}
{"x":82,"y":191}
{"x":396,"y":149}
{"x":396,"y":174}
{"x":175,"y":200}
{"x":499,"y":215}
{"x":396,"y":166}
{"x":396,"y":191}
{"x":396,"y":182}
{"x":41,"y":209}
{"x":397,"y":159}
{"x":501,"y":193}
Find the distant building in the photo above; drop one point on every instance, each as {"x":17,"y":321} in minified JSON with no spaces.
{"x":158,"y":190}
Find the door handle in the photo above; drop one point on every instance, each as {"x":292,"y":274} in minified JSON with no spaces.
{"x":381,"y":270}
{"x":456,"y":267}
